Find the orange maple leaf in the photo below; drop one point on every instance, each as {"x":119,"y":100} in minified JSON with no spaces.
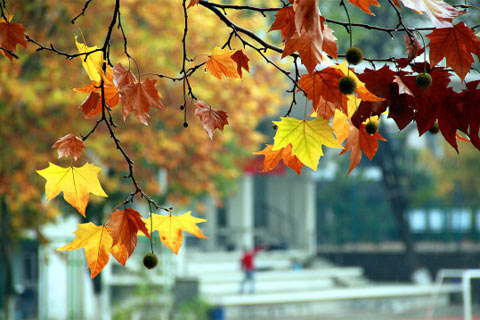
{"x":97,"y":242}
{"x":171,"y":228}
{"x":125,"y":225}
{"x":365,"y":5}
{"x":11,"y":34}
{"x":92,"y":105}
{"x":139,"y":96}
{"x":272,"y":158}
{"x":329,"y":41}
{"x":310,"y":52}
{"x":69,"y":145}
{"x":210,"y":118}
{"x":359,"y":140}
{"x":285,"y":22}
{"x":241,"y":60}
{"x":221,"y":63}
{"x":457,"y":44}
{"x":322,"y":88}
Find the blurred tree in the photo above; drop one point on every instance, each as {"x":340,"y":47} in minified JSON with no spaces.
{"x":38,"y":106}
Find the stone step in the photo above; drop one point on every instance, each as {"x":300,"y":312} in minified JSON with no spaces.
{"x":269,"y":286}
{"x":284,"y":275}
{"x":369,"y":292}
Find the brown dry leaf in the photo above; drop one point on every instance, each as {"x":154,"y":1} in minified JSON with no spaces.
{"x":210,"y":118}
{"x":138,"y":97}
{"x":69,"y":145}
{"x":11,"y":34}
{"x":122,"y":77}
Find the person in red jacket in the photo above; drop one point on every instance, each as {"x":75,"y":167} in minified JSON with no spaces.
{"x":248,"y":267}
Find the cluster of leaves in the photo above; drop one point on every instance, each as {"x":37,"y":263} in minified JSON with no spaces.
{"x":340,"y":115}
{"x":376,"y":90}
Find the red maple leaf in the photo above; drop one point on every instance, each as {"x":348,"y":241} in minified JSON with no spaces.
{"x":378,"y":82}
{"x":285,"y":22}
{"x":241,"y":60}
{"x":457,"y":44}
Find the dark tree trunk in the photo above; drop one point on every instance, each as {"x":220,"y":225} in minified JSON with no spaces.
{"x":396,"y":185}
{"x":9,"y":293}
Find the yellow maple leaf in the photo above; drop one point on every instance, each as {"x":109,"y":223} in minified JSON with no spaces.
{"x":221,"y":63}
{"x":97,"y":242}
{"x":306,"y":137}
{"x":76,"y":184}
{"x":361,"y":89}
{"x":171,"y":228}
{"x":93,"y":63}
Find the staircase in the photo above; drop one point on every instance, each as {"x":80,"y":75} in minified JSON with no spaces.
{"x":315,"y":293}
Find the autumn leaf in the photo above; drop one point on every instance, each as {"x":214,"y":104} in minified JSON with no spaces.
{"x":365,"y":5}
{"x":92,"y":105}
{"x":329,"y":42}
{"x":171,"y":228}
{"x":69,"y":145}
{"x":378,"y":82}
{"x":193,"y":3}
{"x":457,"y":44}
{"x":75,"y":183}
{"x":361,"y":89}
{"x":11,"y":34}
{"x":359,"y":140}
{"x":272,"y":158}
{"x":138,"y":97}
{"x":310,"y":52}
{"x":308,"y":20}
{"x":210,"y":118}
{"x":306,"y":137}
{"x":97,"y":242}
{"x":241,"y":60}
{"x":439,"y":12}
{"x":92,"y":63}
{"x":322,"y":88}
{"x":125,"y":225}
{"x":341,"y":122}
{"x":414,"y":49}
{"x":285,"y":22}
{"x":122,"y":77}
{"x":221,"y":63}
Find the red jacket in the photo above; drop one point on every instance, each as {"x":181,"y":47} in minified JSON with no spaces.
{"x":248,"y":257}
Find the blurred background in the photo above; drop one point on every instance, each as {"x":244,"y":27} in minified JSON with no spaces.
{"x":370,"y":245}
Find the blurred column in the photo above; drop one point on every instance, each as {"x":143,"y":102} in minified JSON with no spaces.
{"x":310,"y":214}
{"x":211,"y":225}
{"x":240,"y":214}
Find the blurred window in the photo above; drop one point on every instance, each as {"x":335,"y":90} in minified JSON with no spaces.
{"x":418,"y":221}
{"x":436,"y":220}
{"x":461,"y":219}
